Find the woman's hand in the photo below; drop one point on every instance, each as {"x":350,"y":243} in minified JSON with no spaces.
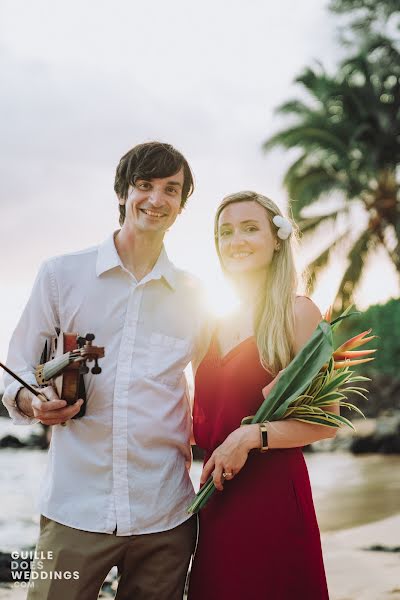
{"x":231,"y":455}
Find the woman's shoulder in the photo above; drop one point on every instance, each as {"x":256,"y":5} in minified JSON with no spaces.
{"x":304,"y":306}
{"x":307,"y":316}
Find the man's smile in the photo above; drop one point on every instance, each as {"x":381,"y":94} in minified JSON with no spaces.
{"x":152,"y":213}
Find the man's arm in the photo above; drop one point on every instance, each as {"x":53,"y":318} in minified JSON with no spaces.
{"x":38,"y":323}
{"x":52,"y":412}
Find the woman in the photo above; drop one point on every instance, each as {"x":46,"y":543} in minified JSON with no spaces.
{"x":259,"y":537}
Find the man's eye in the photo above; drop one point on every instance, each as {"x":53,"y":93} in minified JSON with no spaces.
{"x":171,"y":190}
{"x":143,"y":185}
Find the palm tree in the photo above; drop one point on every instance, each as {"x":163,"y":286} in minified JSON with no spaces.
{"x":348,"y":133}
{"x":366,"y":14}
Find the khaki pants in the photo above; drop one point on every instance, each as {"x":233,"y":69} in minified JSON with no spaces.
{"x":152,"y":566}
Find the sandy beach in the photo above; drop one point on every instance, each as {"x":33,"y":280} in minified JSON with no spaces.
{"x":353,"y":573}
{"x":356,"y":574}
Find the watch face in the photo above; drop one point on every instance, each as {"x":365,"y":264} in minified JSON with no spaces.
{"x":264,"y":437}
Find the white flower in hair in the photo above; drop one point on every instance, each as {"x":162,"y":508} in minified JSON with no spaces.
{"x":284,"y":227}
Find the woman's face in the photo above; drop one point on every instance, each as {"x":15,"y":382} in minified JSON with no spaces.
{"x":245,"y":238}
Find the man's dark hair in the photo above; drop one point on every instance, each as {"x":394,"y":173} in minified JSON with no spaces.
{"x":150,"y":161}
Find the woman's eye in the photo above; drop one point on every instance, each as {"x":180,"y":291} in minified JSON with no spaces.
{"x":171,"y":190}
{"x":144,"y":185}
{"x":251,"y":228}
{"x":224,"y":233}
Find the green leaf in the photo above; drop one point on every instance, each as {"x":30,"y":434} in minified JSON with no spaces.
{"x":354,"y":391}
{"x":317,"y":420}
{"x":352,"y":407}
{"x":297,"y":375}
{"x":330,"y":397}
{"x":341,"y":419}
{"x":338,"y":379}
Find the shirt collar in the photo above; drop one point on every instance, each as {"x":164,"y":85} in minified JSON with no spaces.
{"x":108,"y":258}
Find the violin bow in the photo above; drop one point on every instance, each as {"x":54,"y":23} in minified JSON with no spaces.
{"x":38,"y":394}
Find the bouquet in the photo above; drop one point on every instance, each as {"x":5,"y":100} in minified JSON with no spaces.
{"x":316,"y":378}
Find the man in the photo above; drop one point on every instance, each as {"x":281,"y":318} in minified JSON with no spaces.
{"x":117,"y":486}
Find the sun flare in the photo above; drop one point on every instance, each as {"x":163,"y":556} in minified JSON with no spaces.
{"x":221,"y":298}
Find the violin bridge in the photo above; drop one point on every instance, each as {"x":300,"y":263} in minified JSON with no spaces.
{"x":39,"y":375}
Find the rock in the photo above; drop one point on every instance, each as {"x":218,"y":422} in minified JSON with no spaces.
{"x":380,"y":548}
{"x":10,"y":441}
{"x":308,"y":449}
{"x":37,"y":441}
{"x":390,"y":445}
{"x":385,"y":439}
{"x":5,"y":566}
{"x":364,"y":445}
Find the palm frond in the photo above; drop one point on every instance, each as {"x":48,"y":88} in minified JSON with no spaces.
{"x":305,"y":137}
{"x":320,"y":263}
{"x":311,"y":224}
{"x":356,"y":261}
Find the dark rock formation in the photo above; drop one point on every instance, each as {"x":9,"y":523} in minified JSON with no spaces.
{"x":384,"y":440}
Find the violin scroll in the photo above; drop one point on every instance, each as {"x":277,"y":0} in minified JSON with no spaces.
{"x":89,"y":353}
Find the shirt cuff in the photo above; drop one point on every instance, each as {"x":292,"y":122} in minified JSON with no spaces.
{"x":8,"y":399}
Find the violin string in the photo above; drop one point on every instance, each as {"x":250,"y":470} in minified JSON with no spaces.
{"x":54,"y":366}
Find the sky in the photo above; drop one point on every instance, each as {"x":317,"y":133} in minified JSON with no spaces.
{"x":82,"y":82}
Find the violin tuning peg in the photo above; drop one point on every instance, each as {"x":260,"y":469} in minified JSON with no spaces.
{"x":89,"y":337}
{"x":81,"y":341}
{"x":83,"y":369}
{"x":96,"y":369}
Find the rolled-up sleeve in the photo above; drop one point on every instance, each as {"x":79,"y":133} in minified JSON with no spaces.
{"x":38,"y":323}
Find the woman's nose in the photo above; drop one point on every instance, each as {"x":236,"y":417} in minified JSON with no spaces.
{"x":236,"y":239}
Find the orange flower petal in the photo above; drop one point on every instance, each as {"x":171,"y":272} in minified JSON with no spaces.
{"x":354,"y":342}
{"x":350,"y":363}
{"x":352,"y":354}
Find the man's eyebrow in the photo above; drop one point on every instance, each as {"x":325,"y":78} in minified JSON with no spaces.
{"x":150,"y":179}
{"x":177,"y":183}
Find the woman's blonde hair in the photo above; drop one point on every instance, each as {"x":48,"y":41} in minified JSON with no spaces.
{"x":274,"y":319}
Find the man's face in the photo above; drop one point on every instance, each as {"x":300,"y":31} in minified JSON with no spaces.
{"x":152,"y":205}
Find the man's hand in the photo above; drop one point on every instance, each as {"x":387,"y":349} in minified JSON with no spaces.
{"x":53,"y":412}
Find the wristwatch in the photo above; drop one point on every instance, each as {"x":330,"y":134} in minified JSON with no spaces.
{"x":264,"y":437}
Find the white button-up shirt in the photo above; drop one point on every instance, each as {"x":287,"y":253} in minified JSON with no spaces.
{"x":125,"y":463}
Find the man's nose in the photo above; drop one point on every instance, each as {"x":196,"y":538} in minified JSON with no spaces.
{"x":156,"y":197}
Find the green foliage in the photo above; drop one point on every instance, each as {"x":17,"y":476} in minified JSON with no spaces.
{"x":348,"y":137}
{"x":366,"y":12}
{"x":385,"y":323}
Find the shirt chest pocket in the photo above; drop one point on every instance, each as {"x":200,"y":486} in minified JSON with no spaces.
{"x":167,"y":357}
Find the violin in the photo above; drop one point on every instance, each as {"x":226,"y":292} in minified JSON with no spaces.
{"x":68,"y":358}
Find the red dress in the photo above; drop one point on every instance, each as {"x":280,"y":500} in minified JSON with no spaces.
{"x":259,"y":538}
